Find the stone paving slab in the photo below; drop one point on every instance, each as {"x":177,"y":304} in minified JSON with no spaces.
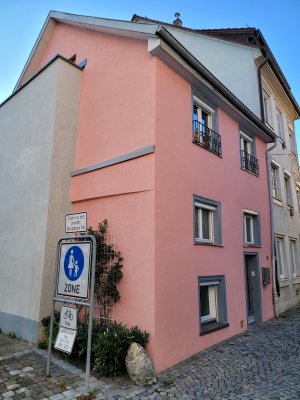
{"x":261,"y":364}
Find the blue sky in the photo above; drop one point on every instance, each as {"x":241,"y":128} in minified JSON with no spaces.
{"x":22,"y":20}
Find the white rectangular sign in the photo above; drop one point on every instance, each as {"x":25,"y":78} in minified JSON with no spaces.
{"x":68,"y":317}
{"x":74,"y":269}
{"x":65,"y":340}
{"x":76,"y":222}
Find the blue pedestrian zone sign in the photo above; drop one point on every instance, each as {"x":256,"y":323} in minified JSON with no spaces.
{"x":74,"y":269}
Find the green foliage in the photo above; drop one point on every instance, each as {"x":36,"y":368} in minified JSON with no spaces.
{"x":111,"y":345}
{"x":0,"y":330}
{"x":108,"y":271}
{"x":90,"y":396}
{"x":110,"y":341}
{"x":12,"y":335}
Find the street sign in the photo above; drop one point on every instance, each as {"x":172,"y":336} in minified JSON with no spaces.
{"x":68,"y":317}
{"x":76,"y":222}
{"x":65,"y":340}
{"x":74,"y":268}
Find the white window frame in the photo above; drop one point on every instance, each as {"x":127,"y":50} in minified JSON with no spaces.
{"x":212,"y":301}
{"x":293,"y":256}
{"x":280,"y":123}
{"x":250,"y":217}
{"x":288,"y":189}
{"x":292,"y":137}
{"x":298,"y":195}
{"x":267,"y":107}
{"x":275,"y":182}
{"x":211,"y":209}
{"x":280,"y":254}
{"x":247,"y":142}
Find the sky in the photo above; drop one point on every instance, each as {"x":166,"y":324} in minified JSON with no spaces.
{"x":279,"y":22}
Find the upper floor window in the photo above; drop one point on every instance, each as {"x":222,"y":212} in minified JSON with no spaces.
{"x":204,"y":126}
{"x":275,"y":181}
{"x":248,"y":160}
{"x":288,"y":189}
{"x":267,"y":107}
{"x":293,"y":257}
{"x":207,"y":221}
{"x":251,"y":228}
{"x":280,"y":256}
{"x":298,"y":196}
{"x":280,"y":123}
{"x":293,"y":145}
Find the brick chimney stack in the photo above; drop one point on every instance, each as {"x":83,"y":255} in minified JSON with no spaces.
{"x":177,"y":21}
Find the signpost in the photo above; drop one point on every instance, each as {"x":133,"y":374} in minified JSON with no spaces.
{"x":76,"y":222}
{"x":67,"y":330}
{"x":74,"y":283}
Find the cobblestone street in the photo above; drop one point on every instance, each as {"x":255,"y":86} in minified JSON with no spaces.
{"x":262,"y":363}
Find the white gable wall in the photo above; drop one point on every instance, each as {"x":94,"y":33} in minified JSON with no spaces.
{"x":232,"y":64}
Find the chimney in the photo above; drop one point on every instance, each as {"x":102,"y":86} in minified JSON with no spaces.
{"x":177,"y":21}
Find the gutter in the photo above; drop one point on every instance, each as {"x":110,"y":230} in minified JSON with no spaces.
{"x":191,"y":60}
{"x":273,"y":257}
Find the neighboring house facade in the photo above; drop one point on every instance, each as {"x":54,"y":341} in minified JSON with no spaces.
{"x":173,"y":160}
{"x":243,"y":62}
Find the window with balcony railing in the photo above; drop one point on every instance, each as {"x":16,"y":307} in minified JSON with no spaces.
{"x":206,"y":137}
{"x":204,"y":126}
{"x":248,"y":160}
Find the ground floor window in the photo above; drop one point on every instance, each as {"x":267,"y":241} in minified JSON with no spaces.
{"x":212,"y":303}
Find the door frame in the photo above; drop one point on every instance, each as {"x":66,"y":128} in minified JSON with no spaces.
{"x":257,"y":310}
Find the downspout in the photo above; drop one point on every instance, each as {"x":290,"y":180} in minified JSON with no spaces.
{"x":274,"y":290}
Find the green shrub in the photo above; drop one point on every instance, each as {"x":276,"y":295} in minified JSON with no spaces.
{"x":110,"y":347}
{"x":110,"y":343}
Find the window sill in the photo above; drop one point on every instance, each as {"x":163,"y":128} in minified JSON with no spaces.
{"x":207,"y":244}
{"x":212,"y":327}
{"x":249,"y":172}
{"x":254,"y":246}
{"x":277,"y":202}
{"x":296,"y":280}
{"x":284,"y":282}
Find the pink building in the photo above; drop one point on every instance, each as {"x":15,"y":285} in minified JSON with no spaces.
{"x":177,"y":164}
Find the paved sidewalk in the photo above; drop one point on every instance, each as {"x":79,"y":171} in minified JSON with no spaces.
{"x":262,"y":363}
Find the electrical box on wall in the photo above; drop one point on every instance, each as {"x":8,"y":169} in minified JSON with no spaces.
{"x":265,"y":276}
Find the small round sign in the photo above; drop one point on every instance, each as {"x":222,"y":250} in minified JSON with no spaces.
{"x":74,"y":263}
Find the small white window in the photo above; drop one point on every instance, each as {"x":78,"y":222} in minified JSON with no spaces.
{"x":294,"y":258}
{"x":208,"y":302}
{"x":275,"y":182}
{"x":298,"y":196}
{"x":293,"y":145}
{"x":280,"y":124}
{"x":288,"y":190}
{"x":280,"y":256}
{"x":251,"y":228}
{"x":267,"y":107}
{"x":248,"y":226}
{"x":207,"y":221}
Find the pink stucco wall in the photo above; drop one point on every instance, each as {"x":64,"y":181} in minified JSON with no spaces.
{"x":181,"y":170}
{"x":130,"y":100}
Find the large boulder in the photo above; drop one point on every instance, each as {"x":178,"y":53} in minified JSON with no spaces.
{"x":139,"y":366}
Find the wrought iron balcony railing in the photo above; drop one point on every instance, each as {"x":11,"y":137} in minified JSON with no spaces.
{"x":249,"y":162}
{"x":207,"y":138}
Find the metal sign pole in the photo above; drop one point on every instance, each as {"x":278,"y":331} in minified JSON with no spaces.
{"x":52,"y":311}
{"x":62,"y":300}
{"x":89,"y":343}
